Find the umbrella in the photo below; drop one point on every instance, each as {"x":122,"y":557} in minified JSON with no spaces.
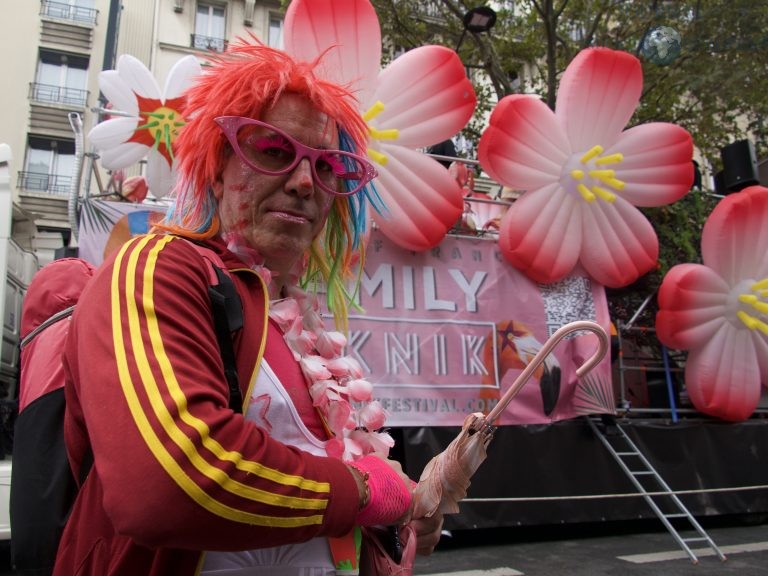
{"x":446,"y":478}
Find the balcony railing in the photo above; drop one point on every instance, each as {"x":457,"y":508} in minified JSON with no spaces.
{"x":58,"y":94}
{"x":64,"y":11}
{"x":208,"y":43}
{"x":48,"y":183}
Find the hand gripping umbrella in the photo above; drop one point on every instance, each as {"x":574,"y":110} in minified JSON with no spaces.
{"x":446,"y":478}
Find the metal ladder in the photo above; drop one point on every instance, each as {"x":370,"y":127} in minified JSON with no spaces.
{"x":637,"y":466}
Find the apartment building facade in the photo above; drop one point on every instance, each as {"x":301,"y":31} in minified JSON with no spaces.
{"x":56,"y":49}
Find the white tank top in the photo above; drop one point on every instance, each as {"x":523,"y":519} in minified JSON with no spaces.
{"x":312,"y":558}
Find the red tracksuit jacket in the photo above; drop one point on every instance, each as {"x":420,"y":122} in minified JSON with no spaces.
{"x":176,"y":472}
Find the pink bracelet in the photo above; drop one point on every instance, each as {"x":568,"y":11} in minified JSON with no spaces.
{"x":389,"y":496}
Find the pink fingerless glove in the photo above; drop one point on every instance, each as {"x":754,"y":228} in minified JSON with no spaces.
{"x":389,"y":496}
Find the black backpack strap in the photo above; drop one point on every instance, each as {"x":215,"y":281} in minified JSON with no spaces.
{"x":227,"y":318}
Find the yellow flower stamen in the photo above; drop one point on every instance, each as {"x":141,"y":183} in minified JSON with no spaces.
{"x":389,"y":134}
{"x":602,"y":174}
{"x":373,"y":111}
{"x":608,"y":177}
{"x":376,"y":134}
{"x":760,"y":285}
{"x":377,"y":157}
{"x":610,"y":159}
{"x":590,"y":191}
{"x":592,"y":153}
{"x":752,"y":323}
{"x":586,"y":193}
{"x":604,"y":194}
{"x":755,"y":302}
{"x":163,"y":125}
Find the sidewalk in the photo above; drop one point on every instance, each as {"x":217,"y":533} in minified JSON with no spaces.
{"x":615,"y":549}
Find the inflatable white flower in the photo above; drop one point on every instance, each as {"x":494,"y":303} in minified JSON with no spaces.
{"x":583,"y":174}
{"x":146,"y":121}
{"x":422,"y":98}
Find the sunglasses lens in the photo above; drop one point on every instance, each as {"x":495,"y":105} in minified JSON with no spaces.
{"x":340,"y":173}
{"x":265,"y":149}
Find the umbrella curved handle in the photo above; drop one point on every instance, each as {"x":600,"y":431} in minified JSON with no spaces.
{"x":581,"y":371}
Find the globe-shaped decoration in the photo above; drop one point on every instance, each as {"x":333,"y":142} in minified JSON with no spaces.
{"x":661,"y":45}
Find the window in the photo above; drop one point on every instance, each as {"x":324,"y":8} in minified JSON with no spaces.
{"x":209,"y":28}
{"x":61,"y":78}
{"x":275,"y":34}
{"x":49,"y":166}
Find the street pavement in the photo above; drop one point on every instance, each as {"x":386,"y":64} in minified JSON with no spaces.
{"x":617,"y":549}
{"x":640,"y":548}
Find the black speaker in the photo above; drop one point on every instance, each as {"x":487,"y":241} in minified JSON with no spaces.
{"x":658,"y":393}
{"x":720,"y":184}
{"x":739,"y":165}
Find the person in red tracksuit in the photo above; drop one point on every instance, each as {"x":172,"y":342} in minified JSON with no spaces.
{"x":271,"y":173}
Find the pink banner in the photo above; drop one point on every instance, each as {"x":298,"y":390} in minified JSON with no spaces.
{"x":445,"y":332}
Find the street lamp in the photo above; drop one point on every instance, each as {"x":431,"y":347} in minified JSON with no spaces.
{"x":477,"y":20}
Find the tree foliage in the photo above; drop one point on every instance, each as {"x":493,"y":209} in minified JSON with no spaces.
{"x":715,"y":89}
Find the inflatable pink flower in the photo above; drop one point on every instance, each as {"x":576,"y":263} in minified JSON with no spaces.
{"x":582,"y":175}
{"x":718,"y":311}
{"x":423,"y":97}
{"x":146,"y":121}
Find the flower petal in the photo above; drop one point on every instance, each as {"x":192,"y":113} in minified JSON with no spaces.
{"x":619,"y":243}
{"x":734,"y":239}
{"x":350,"y":29}
{"x":599,"y":91}
{"x":345,"y":366}
{"x":159,"y":175}
{"x":284,"y":311}
{"x":658,"y":163}
{"x":123,"y":155}
{"x":314,"y":368}
{"x":330,"y":343}
{"x":138,"y":77}
{"x":181,"y":77}
{"x":352,"y":450}
{"x":692,"y":306}
{"x":423,"y":201}
{"x":427,"y":96}
{"x":524,"y":146}
{"x":541,"y":234}
{"x":372,"y":415}
{"x":118,"y":92}
{"x":335,"y":448}
{"x":338,"y":415}
{"x":360,"y":390}
{"x":112,"y":133}
{"x":722,"y":378}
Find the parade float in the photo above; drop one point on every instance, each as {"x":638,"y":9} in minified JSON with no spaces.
{"x":462,"y":289}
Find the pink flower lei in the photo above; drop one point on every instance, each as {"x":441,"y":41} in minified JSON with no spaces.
{"x":338,"y":390}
